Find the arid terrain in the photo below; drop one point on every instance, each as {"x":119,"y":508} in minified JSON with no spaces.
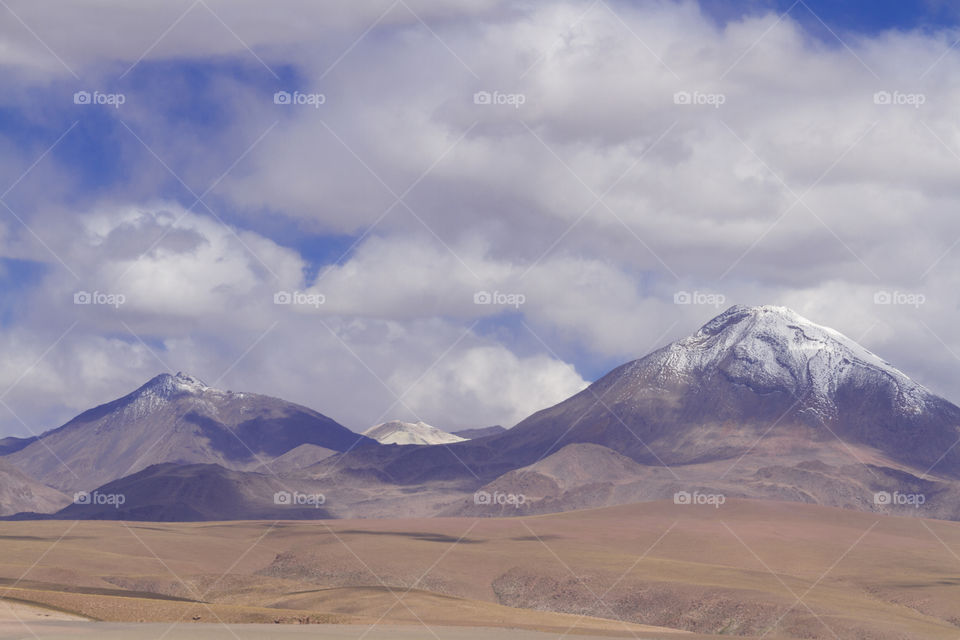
{"x":745,"y":568}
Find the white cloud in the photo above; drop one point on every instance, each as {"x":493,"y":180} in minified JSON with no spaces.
{"x":490,"y":382}
{"x":118,"y":33}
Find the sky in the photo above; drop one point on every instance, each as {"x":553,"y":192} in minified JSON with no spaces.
{"x":868,"y":17}
{"x":461,"y":212}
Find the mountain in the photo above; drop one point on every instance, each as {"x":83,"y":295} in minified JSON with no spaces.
{"x":479,"y":432}
{"x":397,"y":432}
{"x":295,"y":459}
{"x":196,"y":492}
{"x":758,"y":381}
{"x":12,"y":444}
{"x":576,"y":477}
{"x":18,"y":493}
{"x":175,"y":419}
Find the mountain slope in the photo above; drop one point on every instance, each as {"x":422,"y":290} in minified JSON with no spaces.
{"x":479,"y":432}
{"x":12,"y":444}
{"x":175,"y":419}
{"x":295,"y":459}
{"x":196,"y":492}
{"x":398,"y":432}
{"x":18,"y":493}
{"x":578,"y":476}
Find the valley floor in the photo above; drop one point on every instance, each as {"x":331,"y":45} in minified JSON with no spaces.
{"x":650,"y":570}
{"x":152,"y":631}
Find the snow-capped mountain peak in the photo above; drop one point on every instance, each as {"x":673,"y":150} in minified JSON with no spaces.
{"x":773,"y":320}
{"x":753,"y":382}
{"x":744,"y":327}
{"x":161,"y":390}
{"x":166,"y":385}
{"x":772,"y":348}
{"x":399,"y":432}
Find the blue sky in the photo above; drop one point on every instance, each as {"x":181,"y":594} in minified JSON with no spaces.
{"x":499,"y":199}
{"x":858,"y":16}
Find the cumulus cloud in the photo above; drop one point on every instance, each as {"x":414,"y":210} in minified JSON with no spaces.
{"x":523,"y":385}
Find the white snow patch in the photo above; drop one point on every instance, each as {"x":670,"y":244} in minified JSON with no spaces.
{"x":398,"y":432}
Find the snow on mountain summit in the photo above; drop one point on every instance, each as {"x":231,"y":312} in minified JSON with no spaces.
{"x":164,"y":388}
{"x":773,"y":348}
{"x":167,"y":385}
{"x":748,"y":330}
{"x":398,"y":432}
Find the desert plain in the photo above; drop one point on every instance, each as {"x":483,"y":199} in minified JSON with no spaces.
{"x":747,"y":568}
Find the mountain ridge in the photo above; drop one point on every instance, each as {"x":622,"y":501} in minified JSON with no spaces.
{"x":759,"y":402}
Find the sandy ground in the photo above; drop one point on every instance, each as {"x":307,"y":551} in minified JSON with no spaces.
{"x":18,"y":620}
{"x":17,"y":613}
{"x":121,"y":631}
